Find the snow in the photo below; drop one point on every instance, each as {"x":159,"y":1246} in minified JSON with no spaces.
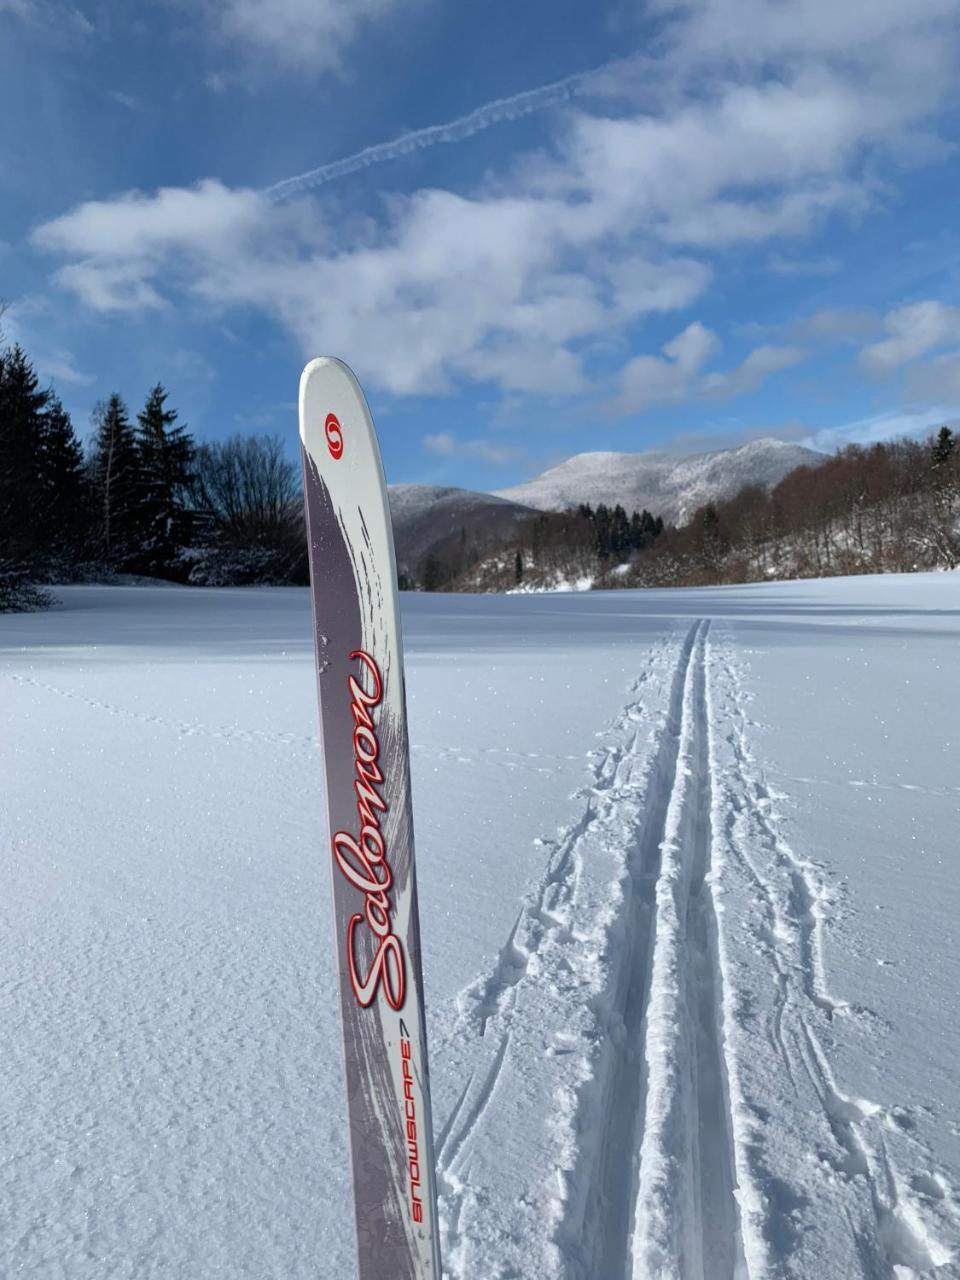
{"x":688,"y":877}
{"x":668,"y":486}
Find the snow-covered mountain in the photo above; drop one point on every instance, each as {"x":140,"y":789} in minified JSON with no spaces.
{"x":425,"y":516}
{"x":667,"y":485}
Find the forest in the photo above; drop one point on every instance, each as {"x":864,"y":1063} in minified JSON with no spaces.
{"x":144,"y":498}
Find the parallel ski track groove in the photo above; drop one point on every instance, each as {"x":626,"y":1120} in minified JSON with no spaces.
{"x":686,"y":1222}
{"x":604,"y":1248}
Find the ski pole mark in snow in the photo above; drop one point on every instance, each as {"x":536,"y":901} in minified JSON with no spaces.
{"x":851,"y":1195}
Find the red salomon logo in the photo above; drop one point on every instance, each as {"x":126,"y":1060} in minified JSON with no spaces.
{"x":334,"y":433}
{"x":362,"y":859}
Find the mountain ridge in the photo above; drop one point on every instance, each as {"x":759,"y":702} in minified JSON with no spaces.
{"x":668,"y":485}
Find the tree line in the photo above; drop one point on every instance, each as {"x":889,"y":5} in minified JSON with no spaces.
{"x":141,"y":498}
{"x":550,"y":546}
{"x":892,"y":507}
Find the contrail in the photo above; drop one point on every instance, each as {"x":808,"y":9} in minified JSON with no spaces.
{"x":513,"y":108}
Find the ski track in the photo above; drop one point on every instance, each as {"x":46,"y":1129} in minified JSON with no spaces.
{"x":636,"y":989}
{"x":890,"y":1222}
{"x":686,"y":1216}
{"x":648,"y":957}
{"x":555,"y":946}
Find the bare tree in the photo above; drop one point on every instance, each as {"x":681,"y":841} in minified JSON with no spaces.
{"x":249,"y":493}
{"x":250,"y":488}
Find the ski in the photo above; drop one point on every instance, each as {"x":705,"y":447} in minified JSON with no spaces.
{"x":366,"y":763}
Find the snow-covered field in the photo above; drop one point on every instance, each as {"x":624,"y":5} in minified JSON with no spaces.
{"x":690,"y":884}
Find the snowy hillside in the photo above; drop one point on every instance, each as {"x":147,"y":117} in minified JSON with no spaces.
{"x":667,"y":485}
{"x":689,"y":888}
{"x":425,"y":516}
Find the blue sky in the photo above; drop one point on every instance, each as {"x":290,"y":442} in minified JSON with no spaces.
{"x":737,"y":218}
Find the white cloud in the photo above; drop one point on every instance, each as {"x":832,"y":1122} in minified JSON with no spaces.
{"x":837,"y":324}
{"x":751,"y":373}
{"x":61,"y":367}
{"x":809,"y":30}
{"x":691,"y":348}
{"x":650,"y":380}
{"x":937,"y":379}
{"x":57,"y":18}
{"x":516,"y":282}
{"x":22,"y":323}
{"x":912,"y":331}
{"x":124,"y":99}
{"x":882,"y":426}
{"x":449,"y":287}
{"x":124,"y":247}
{"x":138,"y":228}
{"x":300,"y":33}
{"x":445,"y":445}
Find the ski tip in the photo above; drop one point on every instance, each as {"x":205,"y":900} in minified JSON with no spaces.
{"x":324,"y":362}
{"x":323,"y":367}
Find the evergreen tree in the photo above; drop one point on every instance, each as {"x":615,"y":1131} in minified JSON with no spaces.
{"x":518,"y":567}
{"x":943,"y":447}
{"x":22,"y":408}
{"x":636,"y":530}
{"x":117,"y":482}
{"x":64,"y":492}
{"x":432,"y":574}
{"x":166,"y":454}
{"x":602,"y":522}
{"x":619,"y":533}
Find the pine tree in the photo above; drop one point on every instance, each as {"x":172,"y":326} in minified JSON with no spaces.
{"x":64,"y":499}
{"x":518,"y":567}
{"x":22,"y":407}
{"x":166,"y":454}
{"x":619,"y":533}
{"x":117,"y":483}
{"x":943,"y":447}
{"x":602,"y":521}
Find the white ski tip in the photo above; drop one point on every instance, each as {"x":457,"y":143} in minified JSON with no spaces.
{"x":329,"y":370}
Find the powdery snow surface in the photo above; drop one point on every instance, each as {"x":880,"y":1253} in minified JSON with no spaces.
{"x":689,"y":879}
